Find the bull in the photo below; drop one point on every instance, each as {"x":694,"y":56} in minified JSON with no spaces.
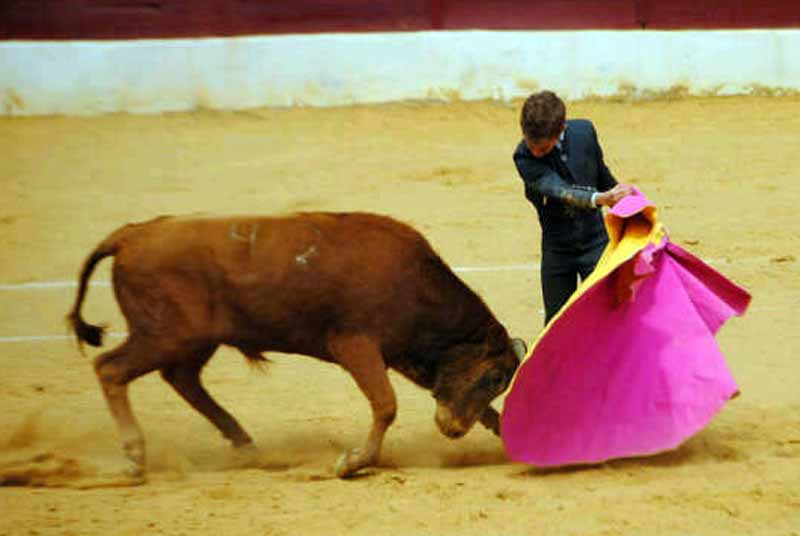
{"x":361,"y":290}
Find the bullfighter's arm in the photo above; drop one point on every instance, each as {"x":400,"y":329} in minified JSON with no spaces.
{"x":541,"y":181}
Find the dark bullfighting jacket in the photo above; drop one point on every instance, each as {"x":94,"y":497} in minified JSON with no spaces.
{"x":562,"y":190}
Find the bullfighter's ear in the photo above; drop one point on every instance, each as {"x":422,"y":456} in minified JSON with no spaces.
{"x":519,"y":347}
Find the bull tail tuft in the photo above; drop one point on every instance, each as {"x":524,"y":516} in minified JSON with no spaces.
{"x":85,"y":332}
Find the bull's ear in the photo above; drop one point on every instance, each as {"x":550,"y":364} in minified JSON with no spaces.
{"x":519,"y":347}
{"x":497,"y":338}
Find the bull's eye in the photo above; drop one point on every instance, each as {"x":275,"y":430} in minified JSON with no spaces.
{"x":494,"y":379}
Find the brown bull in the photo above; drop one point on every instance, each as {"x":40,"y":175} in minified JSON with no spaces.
{"x":360,"y":290}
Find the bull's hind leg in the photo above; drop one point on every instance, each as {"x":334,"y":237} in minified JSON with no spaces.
{"x":115,"y":369}
{"x":185,"y":379}
{"x":362,"y":358}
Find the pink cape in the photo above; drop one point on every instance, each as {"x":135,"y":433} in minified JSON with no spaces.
{"x":630,"y":366}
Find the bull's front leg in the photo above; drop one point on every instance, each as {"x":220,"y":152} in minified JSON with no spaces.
{"x":384,"y":407}
{"x":361,"y":357}
{"x":491,"y":420}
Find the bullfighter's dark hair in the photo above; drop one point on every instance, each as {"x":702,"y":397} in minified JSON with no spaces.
{"x":542,"y":116}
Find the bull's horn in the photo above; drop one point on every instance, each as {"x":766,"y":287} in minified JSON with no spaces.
{"x":519,"y":347}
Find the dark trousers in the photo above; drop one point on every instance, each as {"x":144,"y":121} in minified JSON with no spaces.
{"x":560,"y":272}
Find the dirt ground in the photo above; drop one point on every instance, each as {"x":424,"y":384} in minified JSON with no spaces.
{"x":723,"y":172}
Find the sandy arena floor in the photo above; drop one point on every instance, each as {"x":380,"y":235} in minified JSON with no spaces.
{"x":723,"y":172}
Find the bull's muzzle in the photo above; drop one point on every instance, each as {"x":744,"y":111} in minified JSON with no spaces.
{"x":448,"y":424}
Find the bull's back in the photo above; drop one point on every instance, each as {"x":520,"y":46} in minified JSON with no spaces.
{"x":331,"y":263}
{"x":243,"y":238}
{"x":247,"y":276}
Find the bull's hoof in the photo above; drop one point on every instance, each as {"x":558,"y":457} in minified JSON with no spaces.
{"x":246,"y":455}
{"x":134,"y":452}
{"x":135,"y":471}
{"x":350,"y":462}
{"x":246,"y":449}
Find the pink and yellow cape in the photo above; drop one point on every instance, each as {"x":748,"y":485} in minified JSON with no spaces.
{"x":630,"y":365}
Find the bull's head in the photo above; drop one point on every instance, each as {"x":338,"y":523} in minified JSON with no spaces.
{"x":471,"y":376}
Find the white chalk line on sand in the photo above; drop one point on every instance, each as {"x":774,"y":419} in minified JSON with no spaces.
{"x":65,"y":284}
{"x":49,"y":285}
{"x":48,"y":338}
{"x":123,"y":334}
{"x":52,"y":285}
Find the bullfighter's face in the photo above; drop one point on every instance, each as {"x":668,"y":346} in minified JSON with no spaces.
{"x":541,"y":147}
{"x":472,"y":376}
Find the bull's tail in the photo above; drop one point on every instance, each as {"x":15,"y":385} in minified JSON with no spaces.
{"x":83,"y":331}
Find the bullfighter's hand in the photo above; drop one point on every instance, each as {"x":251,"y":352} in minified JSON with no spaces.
{"x":610,"y":197}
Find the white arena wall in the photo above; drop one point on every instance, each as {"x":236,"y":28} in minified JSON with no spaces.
{"x":150,"y":76}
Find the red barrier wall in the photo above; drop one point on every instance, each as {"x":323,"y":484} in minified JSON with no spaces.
{"x":126,"y":19}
